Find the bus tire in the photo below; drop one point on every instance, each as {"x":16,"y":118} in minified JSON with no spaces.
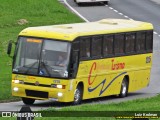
{"x":78,"y":96}
{"x":124,"y":88}
{"x":28,"y":101}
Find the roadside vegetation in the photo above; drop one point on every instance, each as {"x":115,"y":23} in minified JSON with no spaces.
{"x":141,"y":105}
{"x":149,"y":104}
{"x":16,"y":15}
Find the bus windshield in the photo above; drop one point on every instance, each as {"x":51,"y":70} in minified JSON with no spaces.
{"x":42,"y":57}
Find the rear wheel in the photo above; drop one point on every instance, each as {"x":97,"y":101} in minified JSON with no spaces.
{"x":124,"y":88}
{"x":28,"y":101}
{"x":78,"y":96}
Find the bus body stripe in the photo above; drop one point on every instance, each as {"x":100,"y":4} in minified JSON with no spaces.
{"x":103,"y":83}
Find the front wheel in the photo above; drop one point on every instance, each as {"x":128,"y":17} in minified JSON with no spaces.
{"x":28,"y":101}
{"x":124,"y":88}
{"x":77,"y":96}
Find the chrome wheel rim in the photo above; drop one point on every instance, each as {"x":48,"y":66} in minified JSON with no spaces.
{"x":76,"y":95}
{"x":124,"y":88}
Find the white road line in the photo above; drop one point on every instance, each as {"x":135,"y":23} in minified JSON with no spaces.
{"x":126,"y":16}
{"x":120,"y":13}
{"x":85,"y":19}
{"x":155,"y":33}
{"x":76,"y":11}
{"x":115,"y":11}
{"x":111,"y":8}
{"x":130,"y":18}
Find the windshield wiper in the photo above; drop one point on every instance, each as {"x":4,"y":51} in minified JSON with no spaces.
{"x":31,"y":67}
{"x":38,"y":57}
{"x":44,"y":66}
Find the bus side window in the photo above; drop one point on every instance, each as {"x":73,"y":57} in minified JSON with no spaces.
{"x":97,"y":46}
{"x":119,"y":44}
{"x":108,"y":45}
{"x":85,"y":47}
{"x":149,"y":41}
{"x":140,"y":42}
{"x":130,"y":42}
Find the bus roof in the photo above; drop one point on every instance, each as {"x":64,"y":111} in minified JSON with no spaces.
{"x":69,"y":32}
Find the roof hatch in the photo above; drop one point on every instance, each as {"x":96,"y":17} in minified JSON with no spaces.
{"x":108,"y":21}
{"x":65,"y":27}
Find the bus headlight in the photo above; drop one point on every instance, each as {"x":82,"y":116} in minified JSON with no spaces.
{"x":18,"y":81}
{"x":15,"y":89}
{"x":58,"y":86}
{"x":60,"y":94}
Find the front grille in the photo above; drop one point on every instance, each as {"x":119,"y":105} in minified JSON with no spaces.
{"x":34,"y":93}
{"x":41,"y":85}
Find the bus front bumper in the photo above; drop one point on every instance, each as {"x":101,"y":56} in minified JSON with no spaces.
{"x":41,"y":93}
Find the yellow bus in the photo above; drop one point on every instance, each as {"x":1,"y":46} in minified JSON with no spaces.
{"x":73,"y":62}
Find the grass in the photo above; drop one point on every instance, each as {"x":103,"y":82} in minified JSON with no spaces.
{"x":149,"y":104}
{"x":36,"y":13}
{"x":144,"y":104}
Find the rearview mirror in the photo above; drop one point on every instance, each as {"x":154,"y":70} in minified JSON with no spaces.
{"x":9,"y":48}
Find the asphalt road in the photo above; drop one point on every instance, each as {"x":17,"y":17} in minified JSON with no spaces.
{"x":145,"y":10}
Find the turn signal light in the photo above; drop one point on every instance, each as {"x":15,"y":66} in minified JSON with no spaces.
{"x":58,"y":86}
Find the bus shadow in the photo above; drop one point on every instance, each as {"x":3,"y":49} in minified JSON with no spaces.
{"x":107,"y":99}
{"x":112,"y":98}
